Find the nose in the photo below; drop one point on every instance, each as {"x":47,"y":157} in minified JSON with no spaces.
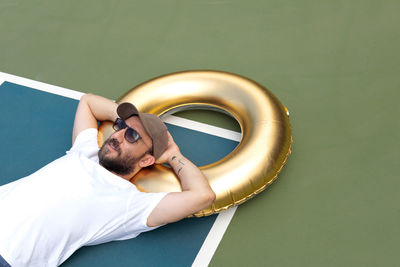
{"x":119,"y":135}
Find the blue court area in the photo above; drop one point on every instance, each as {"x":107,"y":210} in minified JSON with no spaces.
{"x":36,"y":129}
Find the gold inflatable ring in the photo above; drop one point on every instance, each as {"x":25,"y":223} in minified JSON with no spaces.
{"x":252,"y":165}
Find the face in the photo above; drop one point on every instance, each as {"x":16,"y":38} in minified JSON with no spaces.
{"x":122,"y":157}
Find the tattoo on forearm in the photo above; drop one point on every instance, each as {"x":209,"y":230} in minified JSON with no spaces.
{"x":180,"y":161}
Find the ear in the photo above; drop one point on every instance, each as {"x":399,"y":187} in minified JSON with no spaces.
{"x":146,"y":160}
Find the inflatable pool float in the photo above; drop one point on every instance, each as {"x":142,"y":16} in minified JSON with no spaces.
{"x":264,"y":121}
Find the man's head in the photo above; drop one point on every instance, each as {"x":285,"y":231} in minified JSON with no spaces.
{"x":140,"y":138}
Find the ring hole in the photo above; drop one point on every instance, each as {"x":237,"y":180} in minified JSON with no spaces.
{"x":216,"y":118}
{"x":213,"y":135}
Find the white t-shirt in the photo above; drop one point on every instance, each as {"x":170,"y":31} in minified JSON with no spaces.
{"x":69,"y":203}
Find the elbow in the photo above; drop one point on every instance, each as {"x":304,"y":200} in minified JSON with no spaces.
{"x":85,"y":97}
{"x":212,"y":197}
{"x":208,"y":198}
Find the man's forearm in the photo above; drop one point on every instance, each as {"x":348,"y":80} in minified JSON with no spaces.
{"x":196,"y":192}
{"x":190,"y":176}
{"x":93,"y":108}
{"x":102,"y":108}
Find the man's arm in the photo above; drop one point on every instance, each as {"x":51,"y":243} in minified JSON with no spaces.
{"x":93,"y":108}
{"x":196,"y":192}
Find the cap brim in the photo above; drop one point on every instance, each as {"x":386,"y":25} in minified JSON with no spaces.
{"x":127,"y":110}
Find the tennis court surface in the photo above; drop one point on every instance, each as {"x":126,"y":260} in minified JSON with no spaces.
{"x":40,"y":131}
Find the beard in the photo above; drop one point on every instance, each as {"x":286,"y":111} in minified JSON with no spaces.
{"x":121,"y":165}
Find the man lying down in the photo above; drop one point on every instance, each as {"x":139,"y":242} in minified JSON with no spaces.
{"x":86,"y":198}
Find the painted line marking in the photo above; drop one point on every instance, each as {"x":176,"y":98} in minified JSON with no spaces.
{"x":213,"y":238}
{"x":57,"y":90}
{"x":223,"y":219}
{"x":202,"y":127}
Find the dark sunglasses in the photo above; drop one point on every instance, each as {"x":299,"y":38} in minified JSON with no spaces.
{"x":130,"y":134}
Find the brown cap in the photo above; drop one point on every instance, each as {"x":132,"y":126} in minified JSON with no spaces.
{"x":154,"y":126}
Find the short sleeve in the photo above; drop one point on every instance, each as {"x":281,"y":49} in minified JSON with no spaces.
{"x":86,"y":143}
{"x":139,"y":208}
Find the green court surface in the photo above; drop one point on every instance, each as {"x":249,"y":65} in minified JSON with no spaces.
{"x":334,"y":64}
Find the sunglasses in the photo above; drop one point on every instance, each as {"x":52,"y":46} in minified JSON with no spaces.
{"x":131,"y":135}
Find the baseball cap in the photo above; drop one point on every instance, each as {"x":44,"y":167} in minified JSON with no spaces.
{"x":153,"y":125}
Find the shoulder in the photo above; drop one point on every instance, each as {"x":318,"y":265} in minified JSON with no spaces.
{"x":85,"y":140}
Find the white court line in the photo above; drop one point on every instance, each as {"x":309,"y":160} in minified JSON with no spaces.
{"x":202,"y":127}
{"x":214,"y":237}
{"x":41,"y":86}
{"x":223,"y":219}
